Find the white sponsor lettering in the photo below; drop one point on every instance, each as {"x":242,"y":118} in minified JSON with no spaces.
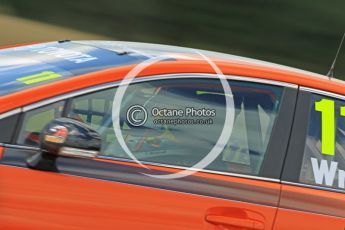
{"x":341,"y":179}
{"x":325,"y":173}
{"x":70,"y":55}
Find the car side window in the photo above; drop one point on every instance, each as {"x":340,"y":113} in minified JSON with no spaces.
{"x":35,"y":120}
{"x":324,"y":152}
{"x":184,"y":138}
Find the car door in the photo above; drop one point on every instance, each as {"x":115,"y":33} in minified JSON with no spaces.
{"x":313,"y":179}
{"x":238,"y":190}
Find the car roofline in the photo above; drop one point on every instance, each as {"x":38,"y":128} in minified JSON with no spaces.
{"x":29,"y":96}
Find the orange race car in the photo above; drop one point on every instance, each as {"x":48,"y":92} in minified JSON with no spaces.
{"x":121,"y":135}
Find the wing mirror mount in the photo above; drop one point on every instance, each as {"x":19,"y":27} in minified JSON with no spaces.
{"x":68,"y":138}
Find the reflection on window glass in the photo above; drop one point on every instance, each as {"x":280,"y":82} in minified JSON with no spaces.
{"x":185,"y":119}
{"x":35,"y":120}
{"x":324,"y":154}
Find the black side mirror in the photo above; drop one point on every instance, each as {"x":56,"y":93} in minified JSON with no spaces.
{"x":65,"y":137}
{"x":68,"y":137}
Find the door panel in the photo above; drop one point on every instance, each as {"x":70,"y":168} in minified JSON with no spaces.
{"x":313,"y":200}
{"x":310,"y":209}
{"x":33,"y":199}
{"x":200,"y":183}
{"x":291,"y":219}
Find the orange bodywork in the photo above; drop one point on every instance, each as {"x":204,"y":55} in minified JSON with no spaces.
{"x":31,"y":199}
{"x":41,"y":200}
{"x":17,"y":45}
{"x":306,"y":198}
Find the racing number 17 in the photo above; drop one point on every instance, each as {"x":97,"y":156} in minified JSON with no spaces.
{"x":327,"y":109}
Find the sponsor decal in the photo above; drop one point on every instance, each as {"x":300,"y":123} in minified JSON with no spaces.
{"x":69,"y":55}
{"x":18,"y":65}
{"x":326,"y":171}
{"x":39,"y":77}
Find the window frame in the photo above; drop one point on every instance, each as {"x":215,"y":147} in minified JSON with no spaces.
{"x":295,"y":153}
{"x":272,"y":165}
{"x":9,"y":122}
{"x":22,"y":117}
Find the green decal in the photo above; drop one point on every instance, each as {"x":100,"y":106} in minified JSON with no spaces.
{"x":326,"y":107}
{"x":40,"y":77}
{"x":200,"y":92}
{"x":342,"y":111}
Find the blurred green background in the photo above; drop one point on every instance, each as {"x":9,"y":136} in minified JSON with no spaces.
{"x":303,"y":34}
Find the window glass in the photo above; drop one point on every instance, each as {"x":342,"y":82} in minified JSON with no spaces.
{"x":35,"y":120}
{"x":324,"y":152}
{"x":186,"y":137}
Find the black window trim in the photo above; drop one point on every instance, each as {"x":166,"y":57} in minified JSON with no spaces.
{"x":293,"y":161}
{"x":275,"y":156}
